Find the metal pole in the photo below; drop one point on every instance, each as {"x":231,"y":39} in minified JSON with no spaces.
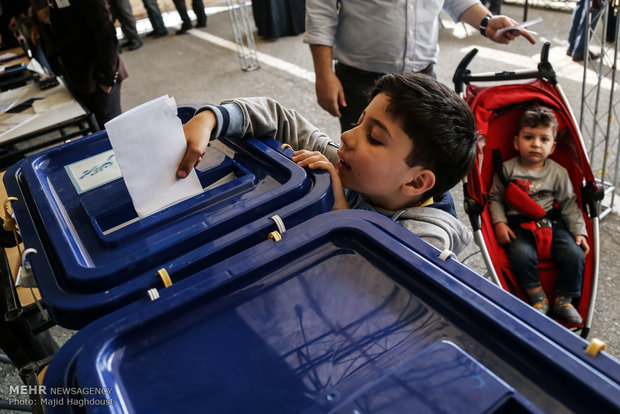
{"x":611,"y":118}
{"x":244,"y":35}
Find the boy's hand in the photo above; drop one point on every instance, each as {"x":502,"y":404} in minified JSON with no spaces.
{"x":503,"y":233}
{"x":582,"y":241}
{"x":315,"y":160}
{"x":197,"y":134}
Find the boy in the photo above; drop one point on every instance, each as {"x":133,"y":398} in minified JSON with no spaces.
{"x":415,"y":140}
{"x":546,"y":182}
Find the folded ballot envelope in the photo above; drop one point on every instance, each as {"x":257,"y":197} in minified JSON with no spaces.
{"x":149,"y":144}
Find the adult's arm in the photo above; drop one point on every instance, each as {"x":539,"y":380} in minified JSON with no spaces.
{"x":321,"y":28}
{"x":329,"y":91}
{"x":474,"y":15}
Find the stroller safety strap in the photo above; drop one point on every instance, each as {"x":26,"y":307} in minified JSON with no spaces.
{"x":543,"y":234}
{"x":520,"y":200}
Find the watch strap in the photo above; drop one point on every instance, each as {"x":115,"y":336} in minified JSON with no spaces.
{"x":484,"y":23}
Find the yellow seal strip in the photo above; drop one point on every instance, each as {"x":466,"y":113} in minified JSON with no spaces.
{"x":165,"y":277}
{"x":9,"y":222}
{"x":275,"y":236}
{"x":596,"y":346}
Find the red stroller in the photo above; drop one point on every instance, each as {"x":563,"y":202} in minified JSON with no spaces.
{"x":497,"y":108}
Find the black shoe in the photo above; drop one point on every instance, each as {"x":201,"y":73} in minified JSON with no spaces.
{"x":135,"y":44}
{"x":132,"y":44}
{"x":184,"y":28}
{"x":157,"y":33}
{"x":593,"y":56}
{"x":201,"y":24}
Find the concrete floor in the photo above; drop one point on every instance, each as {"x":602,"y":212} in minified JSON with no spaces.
{"x":203,"y":66}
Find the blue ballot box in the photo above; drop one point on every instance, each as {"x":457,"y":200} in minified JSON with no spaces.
{"x":94,"y":254}
{"x":348,"y":313}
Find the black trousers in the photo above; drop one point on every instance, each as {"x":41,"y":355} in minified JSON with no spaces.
{"x":104,"y":106}
{"x":199,"y":9}
{"x":357,"y":84}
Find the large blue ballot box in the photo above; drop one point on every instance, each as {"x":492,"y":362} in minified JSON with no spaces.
{"x":93,"y":253}
{"x":348,"y":313}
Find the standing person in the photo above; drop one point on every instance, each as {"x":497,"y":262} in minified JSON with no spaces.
{"x":199,"y":9}
{"x":155,"y":17}
{"x":85,"y":39}
{"x":546,"y":183}
{"x":122,"y":11}
{"x":370,"y":38}
{"x":576,"y":38}
{"x":12,"y":13}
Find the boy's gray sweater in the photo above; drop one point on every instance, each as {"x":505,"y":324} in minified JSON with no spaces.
{"x":264,"y":117}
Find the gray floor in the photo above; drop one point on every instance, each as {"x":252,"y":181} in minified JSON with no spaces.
{"x":194,"y":70}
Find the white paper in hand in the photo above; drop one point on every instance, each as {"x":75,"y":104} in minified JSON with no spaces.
{"x":149,"y":143}
{"x":521,"y":26}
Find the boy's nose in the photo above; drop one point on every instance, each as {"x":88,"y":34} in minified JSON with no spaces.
{"x":348,"y":138}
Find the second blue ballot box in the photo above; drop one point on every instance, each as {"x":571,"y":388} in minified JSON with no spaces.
{"x":348,"y":313}
{"x":93,"y":253}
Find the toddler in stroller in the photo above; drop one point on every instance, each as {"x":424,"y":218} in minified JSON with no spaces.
{"x":534,"y":213}
{"x":497,"y":109}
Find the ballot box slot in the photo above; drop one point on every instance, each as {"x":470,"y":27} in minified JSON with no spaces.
{"x":110,"y":209}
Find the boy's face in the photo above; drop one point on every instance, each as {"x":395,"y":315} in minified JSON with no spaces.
{"x":535,"y":145}
{"x":372,"y":156}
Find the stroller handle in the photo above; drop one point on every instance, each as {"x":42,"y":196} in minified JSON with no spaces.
{"x":460,"y":75}
{"x":463,"y":76}
{"x":544,"y":53}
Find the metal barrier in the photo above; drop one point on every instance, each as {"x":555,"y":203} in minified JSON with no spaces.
{"x":598,"y":120}
{"x":243,"y":29}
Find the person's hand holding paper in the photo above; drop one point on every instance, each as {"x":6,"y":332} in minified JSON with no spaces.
{"x":522,"y":26}
{"x":198,"y":133}
{"x":149,"y":144}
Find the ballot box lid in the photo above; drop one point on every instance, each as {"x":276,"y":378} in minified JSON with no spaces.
{"x":349,"y":312}
{"x":94,"y":254}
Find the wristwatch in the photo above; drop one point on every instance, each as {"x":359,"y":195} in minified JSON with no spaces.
{"x":484,"y":23}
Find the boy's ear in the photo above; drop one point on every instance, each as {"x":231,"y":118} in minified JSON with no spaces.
{"x":514,"y":142}
{"x":420,"y":182}
{"x":555,"y":144}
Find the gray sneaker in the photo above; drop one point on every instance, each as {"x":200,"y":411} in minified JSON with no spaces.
{"x":541,"y":305}
{"x":566,"y":311}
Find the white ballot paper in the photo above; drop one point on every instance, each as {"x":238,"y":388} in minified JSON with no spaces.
{"x":521,"y":26}
{"x":149,"y":143}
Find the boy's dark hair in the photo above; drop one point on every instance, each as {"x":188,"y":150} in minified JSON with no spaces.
{"x":438,"y":121}
{"x":534,"y":116}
